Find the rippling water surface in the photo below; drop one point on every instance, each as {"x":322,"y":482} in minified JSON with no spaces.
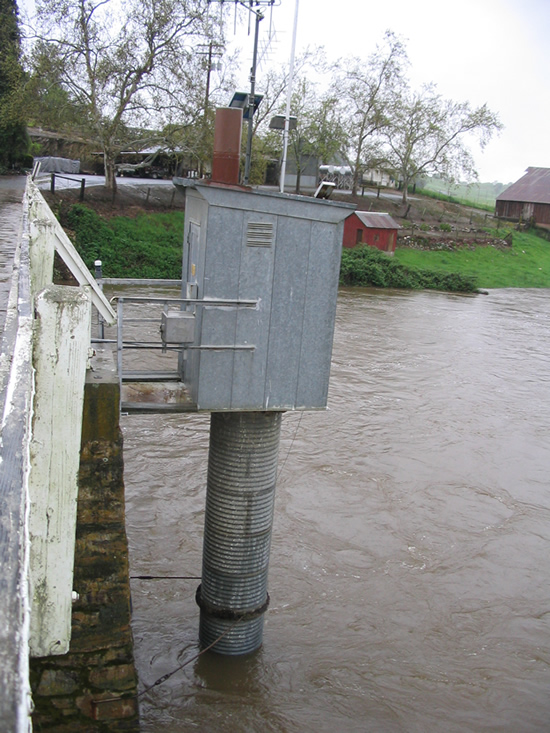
{"x":409,"y":574}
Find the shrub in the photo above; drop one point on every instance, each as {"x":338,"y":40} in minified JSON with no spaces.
{"x":369,"y":267}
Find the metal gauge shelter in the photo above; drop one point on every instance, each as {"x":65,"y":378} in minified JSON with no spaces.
{"x":282,"y":253}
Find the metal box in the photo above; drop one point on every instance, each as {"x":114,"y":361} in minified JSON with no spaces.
{"x":177,"y":327}
{"x":281,"y":252}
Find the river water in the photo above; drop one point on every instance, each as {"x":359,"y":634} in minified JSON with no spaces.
{"x":409,"y":572}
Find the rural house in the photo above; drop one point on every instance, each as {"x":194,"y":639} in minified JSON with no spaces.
{"x":527,"y":199}
{"x":377,"y":230}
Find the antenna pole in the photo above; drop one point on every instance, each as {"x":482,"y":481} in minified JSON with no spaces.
{"x":251,"y":100}
{"x":289,"y":98}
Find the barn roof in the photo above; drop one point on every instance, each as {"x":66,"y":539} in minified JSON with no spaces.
{"x":532,"y":188}
{"x":377,"y":221}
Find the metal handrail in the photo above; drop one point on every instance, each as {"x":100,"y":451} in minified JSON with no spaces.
{"x":155,"y":346}
{"x":222,"y":303}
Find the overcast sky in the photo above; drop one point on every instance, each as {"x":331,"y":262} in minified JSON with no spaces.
{"x":482,"y":51}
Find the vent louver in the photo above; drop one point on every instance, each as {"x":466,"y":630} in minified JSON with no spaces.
{"x":259,"y":234}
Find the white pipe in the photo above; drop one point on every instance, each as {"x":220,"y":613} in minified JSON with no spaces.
{"x":289,"y":97}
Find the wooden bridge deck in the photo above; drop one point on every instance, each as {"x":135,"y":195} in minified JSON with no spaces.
{"x":12,"y":189}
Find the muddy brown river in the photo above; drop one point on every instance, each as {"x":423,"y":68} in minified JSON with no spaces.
{"x":409,"y":572}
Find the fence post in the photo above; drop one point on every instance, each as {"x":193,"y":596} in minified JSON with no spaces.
{"x":42,"y":253}
{"x":61,"y":341}
{"x":82,"y":187}
{"x":52,"y":184}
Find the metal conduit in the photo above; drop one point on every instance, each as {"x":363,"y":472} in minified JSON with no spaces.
{"x":242,"y":472}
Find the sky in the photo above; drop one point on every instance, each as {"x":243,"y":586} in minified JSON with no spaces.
{"x":493,"y":52}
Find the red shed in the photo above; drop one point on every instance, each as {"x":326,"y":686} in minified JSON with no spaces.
{"x":377,"y":230}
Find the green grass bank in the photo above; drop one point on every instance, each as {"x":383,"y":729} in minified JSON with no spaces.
{"x":525,"y":264}
{"x":149,"y":245}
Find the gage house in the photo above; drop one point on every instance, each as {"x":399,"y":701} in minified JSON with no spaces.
{"x":273,"y":259}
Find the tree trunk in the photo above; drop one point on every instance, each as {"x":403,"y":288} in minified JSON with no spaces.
{"x":405,"y":198}
{"x":355,"y":181}
{"x":298,"y":177}
{"x":110,"y":171}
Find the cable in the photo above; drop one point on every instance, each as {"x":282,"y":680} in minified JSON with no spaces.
{"x":160,"y":680}
{"x":165,"y":577}
{"x":188,"y":661}
{"x":290,"y":446}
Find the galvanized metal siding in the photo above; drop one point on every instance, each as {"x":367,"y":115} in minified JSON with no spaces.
{"x":195,"y":216}
{"x":319,"y":315}
{"x":284,"y":253}
{"x":222,"y":267}
{"x":256,"y":282}
{"x":287,"y":312}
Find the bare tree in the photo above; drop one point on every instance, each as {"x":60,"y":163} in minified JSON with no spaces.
{"x":273,"y":86}
{"x":367,"y":90}
{"x":427,"y":135}
{"x":211,"y":81}
{"x":318,"y":133}
{"x":125,"y":64}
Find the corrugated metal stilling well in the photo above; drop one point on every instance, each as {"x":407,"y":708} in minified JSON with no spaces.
{"x":242,"y":472}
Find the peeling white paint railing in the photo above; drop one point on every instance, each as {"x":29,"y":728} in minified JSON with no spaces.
{"x":17,"y":390}
{"x":43,"y":361}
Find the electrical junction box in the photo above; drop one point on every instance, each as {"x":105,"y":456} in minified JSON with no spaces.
{"x":177,"y":327}
{"x":280,"y":253}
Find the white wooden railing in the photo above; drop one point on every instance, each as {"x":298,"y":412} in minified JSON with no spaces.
{"x":43,"y":360}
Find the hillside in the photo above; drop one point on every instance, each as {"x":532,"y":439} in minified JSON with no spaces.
{"x":423,"y":213}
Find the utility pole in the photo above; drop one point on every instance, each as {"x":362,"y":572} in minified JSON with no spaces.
{"x":210,"y":50}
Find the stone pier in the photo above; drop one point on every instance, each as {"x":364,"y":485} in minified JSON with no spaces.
{"x":94,"y":686}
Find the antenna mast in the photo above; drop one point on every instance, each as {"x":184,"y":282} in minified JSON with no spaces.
{"x":253,"y":6}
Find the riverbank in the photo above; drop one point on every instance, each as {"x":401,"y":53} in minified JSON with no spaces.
{"x":523,"y":263}
{"x":442,"y":245}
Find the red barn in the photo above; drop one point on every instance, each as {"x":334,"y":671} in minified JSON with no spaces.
{"x":377,"y":230}
{"x":527,"y":199}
